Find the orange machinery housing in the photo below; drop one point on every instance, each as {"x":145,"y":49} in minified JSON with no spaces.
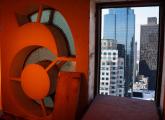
{"x":24,"y":87}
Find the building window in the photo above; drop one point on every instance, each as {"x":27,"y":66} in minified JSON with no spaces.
{"x":113,"y":68}
{"x":102,"y":68}
{"x":107,"y":78}
{"x":114,"y":58}
{"x":113,"y":87}
{"x":106,"y":88}
{"x":112,"y":92}
{"x":133,"y":45}
{"x":113,"y":73}
{"x":113,"y":78}
{"x":113,"y":63}
{"x":106,"y":93}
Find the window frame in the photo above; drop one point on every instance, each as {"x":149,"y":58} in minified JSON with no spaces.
{"x":135,"y":3}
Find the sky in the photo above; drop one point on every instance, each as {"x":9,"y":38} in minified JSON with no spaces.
{"x":141,"y":15}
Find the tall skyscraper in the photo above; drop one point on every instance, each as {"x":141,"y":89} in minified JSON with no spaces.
{"x":119,"y":25}
{"x":148,"y":51}
{"x":135,"y":70}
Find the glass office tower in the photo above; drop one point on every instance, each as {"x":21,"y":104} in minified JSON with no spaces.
{"x":119,"y":24}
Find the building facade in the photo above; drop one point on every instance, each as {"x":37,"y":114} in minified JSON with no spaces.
{"x":141,"y":83}
{"x":112,"y":70}
{"x":149,"y":51}
{"x":119,"y":25}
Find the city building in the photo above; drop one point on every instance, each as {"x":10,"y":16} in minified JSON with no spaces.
{"x":119,"y":25}
{"x":140,"y":89}
{"x":149,"y":51}
{"x":120,"y":77}
{"x":135,"y":70}
{"x":141,"y":83}
{"x":112,"y":69}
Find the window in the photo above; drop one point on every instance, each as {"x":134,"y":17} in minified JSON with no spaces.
{"x":112,"y":92}
{"x":102,"y":93}
{"x":102,"y":68}
{"x":120,"y":67}
{"x":113,"y":78}
{"x":113,"y":87}
{"x":113,"y":68}
{"x":105,"y":53}
{"x":113,"y":73}
{"x":131,"y":36}
{"x":112,"y":82}
{"x":113,"y":63}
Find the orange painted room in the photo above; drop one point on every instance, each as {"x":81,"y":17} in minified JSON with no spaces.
{"x":82,"y":60}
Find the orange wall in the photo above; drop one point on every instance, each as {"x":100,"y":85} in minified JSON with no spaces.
{"x":0,"y":80}
{"x":76,"y":13}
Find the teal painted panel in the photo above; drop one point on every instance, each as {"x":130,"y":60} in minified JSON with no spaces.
{"x":60,"y":21}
